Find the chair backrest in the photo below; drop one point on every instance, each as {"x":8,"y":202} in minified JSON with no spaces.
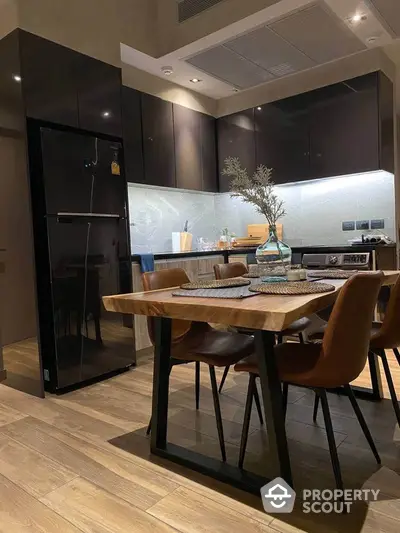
{"x":165,"y":279}
{"x":389,"y":334}
{"x":230,"y":270}
{"x":347,"y":335}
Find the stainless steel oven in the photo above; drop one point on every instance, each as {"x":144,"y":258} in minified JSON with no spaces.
{"x":343,"y":261}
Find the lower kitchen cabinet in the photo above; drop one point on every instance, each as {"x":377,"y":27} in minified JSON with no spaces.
{"x":196,"y":268}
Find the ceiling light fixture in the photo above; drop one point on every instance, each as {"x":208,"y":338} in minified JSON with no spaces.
{"x":259,"y":108}
{"x":357,"y":17}
{"x":106,"y":114}
{"x":17,"y":78}
{"x":195,"y":80}
{"x":167,"y":71}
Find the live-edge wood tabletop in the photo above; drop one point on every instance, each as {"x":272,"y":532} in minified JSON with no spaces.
{"x":263,"y":312}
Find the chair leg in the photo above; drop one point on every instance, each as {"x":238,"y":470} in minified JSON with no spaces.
{"x":392,"y":390}
{"x":258,"y":405}
{"x":285,"y":393}
{"x":197,"y":384}
{"x":362,"y":422}
{"x":331,"y":439}
{"x":217,"y":408}
{"x":247,"y":416}
{"x":223,"y":378}
{"x":316,"y":404}
{"x":301,"y":338}
{"x":397,"y":354}
{"x":280,"y":339}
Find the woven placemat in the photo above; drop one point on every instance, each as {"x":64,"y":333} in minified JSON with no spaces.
{"x":331,"y":274}
{"x":216,"y":284}
{"x":229,"y":293}
{"x":292,"y":287}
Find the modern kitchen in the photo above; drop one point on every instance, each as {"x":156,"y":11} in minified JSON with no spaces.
{"x":211,"y":147}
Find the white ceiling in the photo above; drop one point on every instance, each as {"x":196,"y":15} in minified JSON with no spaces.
{"x":287,"y":37}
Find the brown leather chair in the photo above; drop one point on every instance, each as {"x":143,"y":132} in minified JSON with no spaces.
{"x":199,"y":342}
{"x":234,"y":270}
{"x":335,"y":363}
{"x":384,"y":336}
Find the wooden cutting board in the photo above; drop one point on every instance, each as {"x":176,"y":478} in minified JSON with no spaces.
{"x":262,"y":231}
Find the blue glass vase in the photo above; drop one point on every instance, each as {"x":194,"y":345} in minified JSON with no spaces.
{"x":274,"y":254}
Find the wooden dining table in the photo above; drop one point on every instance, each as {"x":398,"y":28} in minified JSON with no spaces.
{"x":267,"y":315}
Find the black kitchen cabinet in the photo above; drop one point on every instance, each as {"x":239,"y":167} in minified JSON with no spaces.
{"x":195,"y":150}
{"x":158,"y":141}
{"x":188,"y":148}
{"x":344,"y":128}
{"x":49,"y":80}
{"x":236,"y":138}
{"x":282,"y":140}
{"x":99,"y":96}
{"x":132,"y":135}
{"x":209,"y":152}
{"x":386,"y":138}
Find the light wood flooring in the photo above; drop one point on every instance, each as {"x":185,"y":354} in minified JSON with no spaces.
{"x":81,"y":462}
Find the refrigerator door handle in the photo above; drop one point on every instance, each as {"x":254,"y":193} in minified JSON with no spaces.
{"x":88,"y":215}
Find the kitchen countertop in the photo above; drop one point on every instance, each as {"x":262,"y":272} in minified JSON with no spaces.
{"x":338,"y":249}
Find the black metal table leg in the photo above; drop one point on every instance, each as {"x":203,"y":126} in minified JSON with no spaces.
{"x":162,"y":355}
{"x":207,"y":465}
{"x":273,"y":404}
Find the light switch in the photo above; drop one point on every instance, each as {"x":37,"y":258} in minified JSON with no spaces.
{"x":378,"y":223}
{"x":348,"y":226}
{"x":362,"y":224}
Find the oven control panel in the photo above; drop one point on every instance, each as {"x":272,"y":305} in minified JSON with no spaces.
{"x":331,"y":260}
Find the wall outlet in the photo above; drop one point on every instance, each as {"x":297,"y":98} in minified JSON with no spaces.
{"x":350,"y":225}
{"x":378,"y":223}
{"x":362,"y":224}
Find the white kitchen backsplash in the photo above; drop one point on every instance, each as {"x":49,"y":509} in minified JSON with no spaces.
{"x":315,"y":211}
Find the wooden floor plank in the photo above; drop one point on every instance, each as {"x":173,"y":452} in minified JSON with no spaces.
{"x":21,"y":513}
{"x":30,"y":470}
{"x":127,"y":485}
{"x":94,"y":510}
{"x":190,"y":512}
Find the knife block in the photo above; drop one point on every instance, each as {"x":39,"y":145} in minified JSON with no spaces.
{"x":182,"y":241}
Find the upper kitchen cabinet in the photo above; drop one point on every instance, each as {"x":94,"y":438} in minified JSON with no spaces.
{"x":236,"y":138}
{"x":132,"y":135}
{"x":345,"y":128}
{"x":188,"y":149}
{"x":195,"y":150}
{"x":282,"y":139}
{"x":158,"y":141}
{"x":99,"y":96}
{"x":49,"y":85}
{"x":208,"y":132}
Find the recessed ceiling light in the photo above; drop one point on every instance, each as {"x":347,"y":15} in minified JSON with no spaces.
{"x":259,"y":108}
{"x":357,"y":17}
{"x":195,"y":80}
{"x":372,"y":39}
{"x":106,"y":114}
{"x":17,"y":78}
{"x":167,"y":71}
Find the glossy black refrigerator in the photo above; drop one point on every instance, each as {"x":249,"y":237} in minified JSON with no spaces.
{"x":82,"y":249}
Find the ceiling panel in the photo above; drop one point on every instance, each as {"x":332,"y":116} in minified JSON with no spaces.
{"x":318,"y":33}
{"x":270,"y":51}
{"x":389,"y":12}
{"x":223,"y":63}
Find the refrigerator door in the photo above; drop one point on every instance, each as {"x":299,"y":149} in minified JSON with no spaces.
{"x":89,"y":259}
{"x":82,"y":174}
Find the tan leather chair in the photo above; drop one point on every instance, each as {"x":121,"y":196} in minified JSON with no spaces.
{"x":384,"y":336}
{"x":199,"y":342}
{"x":335,"y":363}
{"x":234,"y":270}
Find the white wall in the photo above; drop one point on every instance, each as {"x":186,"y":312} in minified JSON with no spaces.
{"x":315,"y":211}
